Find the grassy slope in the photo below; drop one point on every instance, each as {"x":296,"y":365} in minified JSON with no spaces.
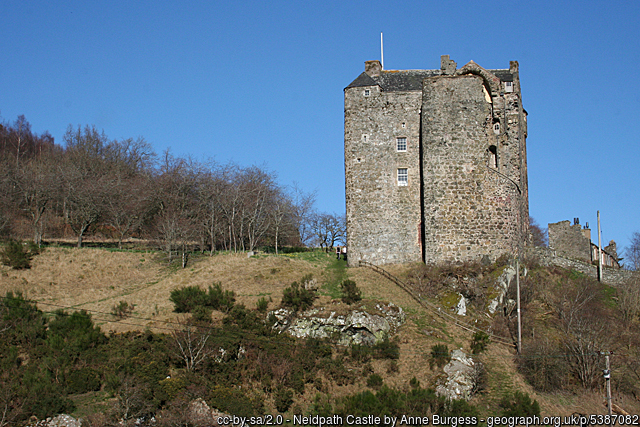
{"x":97,"y":279}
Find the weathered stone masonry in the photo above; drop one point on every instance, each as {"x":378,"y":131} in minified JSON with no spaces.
{"x":459,"y":138}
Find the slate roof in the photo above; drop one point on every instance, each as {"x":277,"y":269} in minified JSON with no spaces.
{"x":409,"y":80}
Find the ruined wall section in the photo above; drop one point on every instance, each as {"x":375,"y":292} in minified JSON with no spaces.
{"x":383,"y":218}
{"x":569,"y":241}
{"x":469,"y":210}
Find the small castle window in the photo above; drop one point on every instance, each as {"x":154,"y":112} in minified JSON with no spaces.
{"x":365,"y":138}
{"x":404,"y":125}
{"x":508,"y":87}
{"x":493,"y":156}
{"x":403,"y":177}
{"x":496,"y":128}
{"x":367,"y":92}
{"x":401,"y":144}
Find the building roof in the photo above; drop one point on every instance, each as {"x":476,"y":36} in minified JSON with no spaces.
{"x":409,"y":80}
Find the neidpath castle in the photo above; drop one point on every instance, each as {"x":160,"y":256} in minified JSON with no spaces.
{"x":435,"y":164}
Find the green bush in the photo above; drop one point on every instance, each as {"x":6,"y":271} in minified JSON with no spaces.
{"x":83,"y":380}
{"x":235,"y":401}
{"x":16,"y":255}
{"x":361,"y":353}
{"x":297,"y":297}
{"x":374,"y":381}
{"x":283,"y":399}
{"x":201,"y":313}
{"x":439,"y":355}
{"x":219,"y":299}
{"x":186,"y":299}
{"x":479,"y":342}
{"x":386,"y":349}
{"x":350,"y":292}
{"x":122,"y":310}
{"x":519,"y":405}
{"x":262,"y":305}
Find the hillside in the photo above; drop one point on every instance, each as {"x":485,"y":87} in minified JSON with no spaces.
{"x":96,"y":280}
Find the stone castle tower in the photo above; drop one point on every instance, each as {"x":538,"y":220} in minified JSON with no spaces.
{"x":435,"y":164}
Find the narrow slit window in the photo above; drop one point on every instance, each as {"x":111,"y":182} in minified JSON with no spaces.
{"x":493,"y":156}
{"x":401,"y":144}
{"x":403,"y":177}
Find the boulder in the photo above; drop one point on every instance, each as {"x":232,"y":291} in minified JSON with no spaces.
{"x":462,"y":375}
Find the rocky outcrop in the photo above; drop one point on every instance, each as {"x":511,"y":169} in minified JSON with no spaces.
{"x":462,"y":375}
{"x":359,"y":325}
{"x":61,"y":420}
{"x":502,"y":287}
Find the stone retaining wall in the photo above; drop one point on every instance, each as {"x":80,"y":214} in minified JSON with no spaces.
{"x":610,"y":276}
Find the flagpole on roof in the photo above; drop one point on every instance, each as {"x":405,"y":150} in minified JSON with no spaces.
{"x":381,"y":52}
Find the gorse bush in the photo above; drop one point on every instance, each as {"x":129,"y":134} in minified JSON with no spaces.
{"x":350,"y":292}
{"x":519,"y":405}
{"x":17,"y":256}
{"x":479,"y":342}
{"x":439,"y":355}
{"x":374,"y":381}
{"x":262,"y":305}
{"x":122,"y":310}
{"x":386,"y":349}
{"x":297,"y":297}
{"x":188,"y":298}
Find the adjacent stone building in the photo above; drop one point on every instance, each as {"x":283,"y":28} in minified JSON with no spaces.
{"x":435,"y":164}
{"x":574,"y":241}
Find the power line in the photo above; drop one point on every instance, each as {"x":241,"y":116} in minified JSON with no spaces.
{"x":480,"y":357}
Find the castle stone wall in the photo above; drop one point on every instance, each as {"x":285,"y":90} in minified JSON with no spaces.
{"x":469,"y":210}
{"x":383,"y":218}
{"x":467,"y":193}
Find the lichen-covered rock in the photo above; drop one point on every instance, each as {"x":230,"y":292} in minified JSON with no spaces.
{"x":353,"y":326}
{"x":502,"y":286}
{"x":62,"y":420}
{"x":462,"y":377}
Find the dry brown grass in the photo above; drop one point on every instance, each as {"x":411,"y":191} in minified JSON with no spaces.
{"x":96,"y":280}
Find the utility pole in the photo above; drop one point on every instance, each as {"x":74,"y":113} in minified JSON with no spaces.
{"x":607,"y":377}
{"x":599,"y":251}
{"x":518,"y":307}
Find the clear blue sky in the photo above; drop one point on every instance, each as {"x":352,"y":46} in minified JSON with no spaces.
{"x":261,"y":82}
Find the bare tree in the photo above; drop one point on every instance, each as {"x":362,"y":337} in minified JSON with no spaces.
{"x":585,"y":330}
{"x":36,"y":186}
{"x":539,"y":235}
{"x":281,"y":212}
{"x":259,"y":188}
{"x":85,"y":178}
{"x":191,"y":344}
{"x":176,"y":218}
{"x":302,"y":204}
{"x":629,"y":298}
{"x":328,"y":229}
{"x":20,"y":137}
{"x":633,"y":252}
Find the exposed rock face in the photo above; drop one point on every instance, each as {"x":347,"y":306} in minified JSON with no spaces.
{"x":462,"y":306}
{"x":61,"y":420}
{"x":356,"y":326}
{"x":502,"y":285}
{"x":462,"y":377}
